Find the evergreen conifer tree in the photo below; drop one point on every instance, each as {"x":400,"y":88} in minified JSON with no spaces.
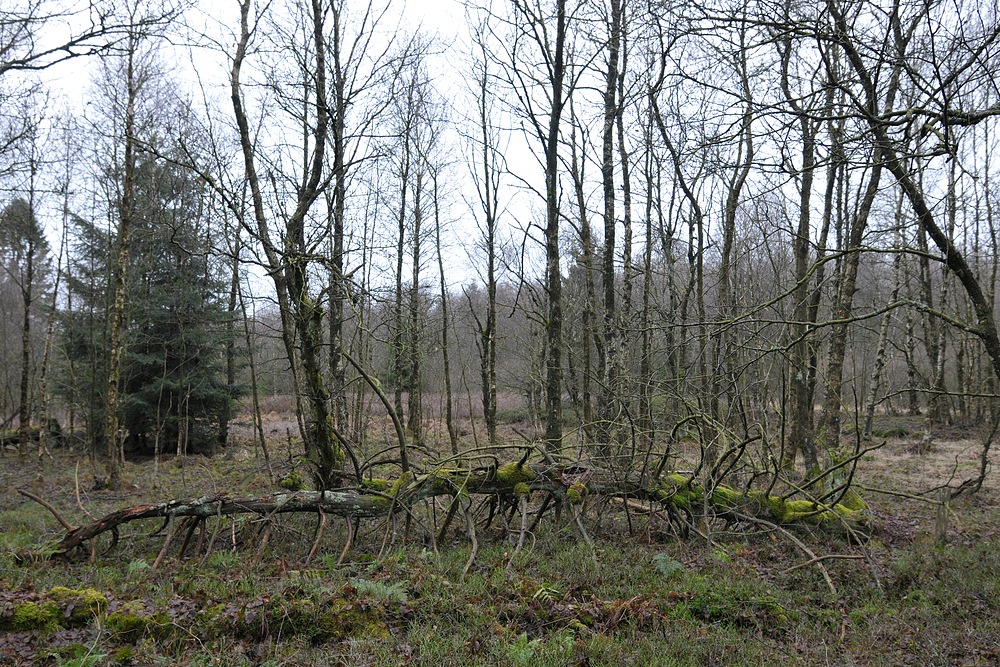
{"x":173,"y":387}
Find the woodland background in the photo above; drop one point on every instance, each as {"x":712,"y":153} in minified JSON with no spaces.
{"x":716,"y":279}
{"x":633,"y":222}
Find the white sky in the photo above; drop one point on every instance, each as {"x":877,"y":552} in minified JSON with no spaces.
{"x":70,"y":84}
{"x":442,"y":18}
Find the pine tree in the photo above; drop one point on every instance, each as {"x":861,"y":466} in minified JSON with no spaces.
{"x":84,"y":334}
{"x":173,"y":387}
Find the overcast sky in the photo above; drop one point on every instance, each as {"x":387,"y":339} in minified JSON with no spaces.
{"x":71,"y":82}
{"x":443,"y":18}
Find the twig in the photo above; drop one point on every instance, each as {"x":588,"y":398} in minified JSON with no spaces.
{"x":688,"y":523}
{"x":583,"y":533}
{"x":166,"y":543}
{"x":471,"y":525}
{"x":523,"y":505}
{"x":432,"y":518}
{"x":351,"y":532}
{"x":263,"y":544}
{"x":215,"y":534}
{"x":899,"y":494}
{"x":79,"y":503}
{"x":65,"y":524}
{"x":191,"y":523}
{"x":319,"y":536}
{"x":452,"y":508}
{"x":523,"y":501}
{"x":797,"y":488}
{"x":814,"y":559}
{"x":390,"y":529}
{"x":541,"y":511}
{"x":202,"y":529}
{"x":817,"y":559}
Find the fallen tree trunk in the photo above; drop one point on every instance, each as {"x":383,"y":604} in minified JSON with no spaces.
{"x":674,"y":492}
{"x":12,"y":440}
{"x":345,"y":503}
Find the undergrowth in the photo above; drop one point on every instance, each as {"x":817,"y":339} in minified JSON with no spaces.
{"x":650,"y":599}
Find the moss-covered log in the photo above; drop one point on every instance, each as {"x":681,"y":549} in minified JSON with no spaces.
{"x":12,"y":439}
{"x":344,"y":503}
{"x":573,"y":483}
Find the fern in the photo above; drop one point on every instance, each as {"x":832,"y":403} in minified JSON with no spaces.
{"x":137,"y":565}
{"x":667,"y":566}
{"x":522,"y":651}
{"x":546,"y":593}
{"x":381,"y":591}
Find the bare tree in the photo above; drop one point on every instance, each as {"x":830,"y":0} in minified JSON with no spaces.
{"x":412,"y":144}
{"x":613,"y":367}
{"x":357,"y":67}
{"x":486,"y":164}
{"x":538,"y":67}
{"x":590,"y":340}
{"x":94,"y":27}
{"x":960,"y":69}
{"x":288,"y":262}
{"x":445,"y":315}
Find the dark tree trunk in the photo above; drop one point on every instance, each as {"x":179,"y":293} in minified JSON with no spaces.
{"x":553,"y":274}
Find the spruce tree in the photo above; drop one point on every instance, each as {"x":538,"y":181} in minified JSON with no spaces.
{"x":173,"y":386}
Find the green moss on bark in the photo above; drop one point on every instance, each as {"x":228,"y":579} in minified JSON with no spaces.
{"x":515,"y":473}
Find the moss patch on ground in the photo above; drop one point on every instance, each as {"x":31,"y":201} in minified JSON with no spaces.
{"x":400,"y":597}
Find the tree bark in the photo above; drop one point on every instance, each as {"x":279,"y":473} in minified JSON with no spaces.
{"x":126,"y":211}
{"x":301,"y":316}
{"x":610,"y":389}
{"x":553,"y":273}
{"x":672,"y":491}
{"x":449,"y":416}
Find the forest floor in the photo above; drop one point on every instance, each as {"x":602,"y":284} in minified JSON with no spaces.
{"x":905,"y":597}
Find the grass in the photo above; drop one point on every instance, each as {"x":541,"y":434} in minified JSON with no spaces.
{"x":648,"y":601}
